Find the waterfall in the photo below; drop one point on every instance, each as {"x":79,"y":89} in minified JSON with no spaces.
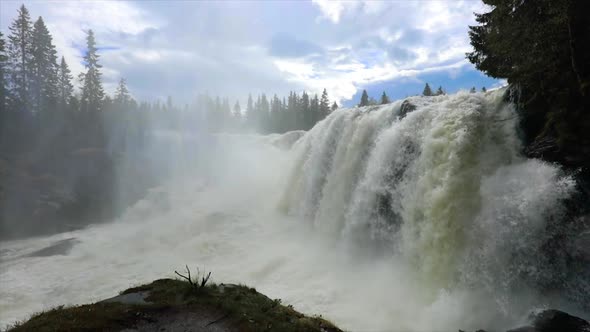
{"x":444,"y":187}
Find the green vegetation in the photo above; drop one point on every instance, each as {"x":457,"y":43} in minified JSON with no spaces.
{"x":542,"y":48}
{"x":239,"y":307}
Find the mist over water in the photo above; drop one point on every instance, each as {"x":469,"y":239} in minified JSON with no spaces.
{"x":376,"y":219}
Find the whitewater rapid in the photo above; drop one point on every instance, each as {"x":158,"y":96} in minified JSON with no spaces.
{"x":375,"y":219}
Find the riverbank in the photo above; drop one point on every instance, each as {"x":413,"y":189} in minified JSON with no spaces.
{"x":173,"y":305}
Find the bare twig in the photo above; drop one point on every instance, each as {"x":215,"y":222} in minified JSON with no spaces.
{"x":195,"y":283}
{"x":187,"y":277}
{"x":205,"y":279}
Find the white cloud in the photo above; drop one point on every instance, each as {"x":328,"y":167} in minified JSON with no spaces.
{"x":181,"y":48}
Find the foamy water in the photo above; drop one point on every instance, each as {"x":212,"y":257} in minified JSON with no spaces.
{"x":375,"y":222}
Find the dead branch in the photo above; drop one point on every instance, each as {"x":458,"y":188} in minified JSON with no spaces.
{"x":187,"y":277}
{"x":195,"y":283}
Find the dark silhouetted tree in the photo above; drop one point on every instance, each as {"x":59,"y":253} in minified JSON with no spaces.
{"x":324,"y":105}
{"x":427,"y":90}
{"x":3,"y":76}
{"x":20,"y":54}
{"x":384,"y":99}
{"x":92,"y":91}
{"x":65,"y":89}
{"x":364,"y":99}
{"x":44,"y":69}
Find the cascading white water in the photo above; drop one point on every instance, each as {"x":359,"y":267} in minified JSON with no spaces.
{"x":444,"y":188}
{"x":376,"y":219}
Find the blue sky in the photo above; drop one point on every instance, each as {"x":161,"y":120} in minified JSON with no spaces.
{"x":231,"y":48}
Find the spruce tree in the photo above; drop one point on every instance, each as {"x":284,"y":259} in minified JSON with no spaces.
{"x":364,"y":99}
{"x":314,"y":108}
{"x":427,"y":90}
{"x":483,"y":89}
{"x":92,"y":91}
{"x":20,"y":54}
{"x":439,"y":91}
{"x":43,"y":68}
{"x":334,"y":106}
{"x":384,"y":99}
{"x":324,"y":105}
{"x":122,"y":95}
{"x":65,"y":89}
{"x":250,"y":116}
{"x":472,"y":90}
{"x":3,"y":78}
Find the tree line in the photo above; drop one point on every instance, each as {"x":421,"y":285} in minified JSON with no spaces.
{"x":37,"y":96}
{"x":66,"y":152}
{"x":384,"y":99}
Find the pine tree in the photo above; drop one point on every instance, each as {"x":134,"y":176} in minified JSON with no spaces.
{"x":65,"y":88}
{"x":305,"y":118}
{"x":92,"y":91}
{"x":324,"y":105}
{"x":483,"y":89}
{"x":314,"y":108}
{"x":364,"y":99}
{"x":250,"y":116}
{"x":122,"y":96}
{"x":264,"y":114}
{"x":439,"y":91}
{"x":334,"y":106}
{"x":427,"y":90}
{"x":384,"y":99}
{"x":20,"y":54}
{"x":472,"y":90}
{"x":43,"y":68}
{"x":3,"y":78}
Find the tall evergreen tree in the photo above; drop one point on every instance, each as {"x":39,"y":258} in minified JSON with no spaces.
{"x":65,"y":89}
{"x":250,"y":116}
{"x":427,"y":90}
{"x":237,"y":111}
{"x":43,"y":68}
{"x":439,"y":91}
{"x":20,"y":54}
{"x":314,"y":107}
{"x":324,"y":105}
{"x":123,"y":98}
{"x":472,"y":90}
{"x":364,"y":99}
{"x":334,"y":106}
{"x":384,"y":99}
{"x":483,"y":89}
{"x":3,"y":73}
{"x":92,"y":91}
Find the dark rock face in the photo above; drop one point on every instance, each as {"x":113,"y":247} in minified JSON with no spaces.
{"x":554,"y":321}
{"x":556,"y":129}
{"x":406,"y":108}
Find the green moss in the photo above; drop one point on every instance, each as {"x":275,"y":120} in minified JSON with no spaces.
{"x":244,"y":308}
{"x":91,"y":317}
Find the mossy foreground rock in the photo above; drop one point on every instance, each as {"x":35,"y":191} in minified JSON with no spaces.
{"x":173,"y":305}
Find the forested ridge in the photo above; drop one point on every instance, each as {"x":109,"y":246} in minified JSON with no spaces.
{"x":71,"y":154}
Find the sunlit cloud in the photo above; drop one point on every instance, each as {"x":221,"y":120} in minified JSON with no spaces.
{"x":181,"y":48}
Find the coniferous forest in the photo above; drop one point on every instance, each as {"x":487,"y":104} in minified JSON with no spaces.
{"x":65,"y":143}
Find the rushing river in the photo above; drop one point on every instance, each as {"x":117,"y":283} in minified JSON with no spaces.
{"x":376,"y":219}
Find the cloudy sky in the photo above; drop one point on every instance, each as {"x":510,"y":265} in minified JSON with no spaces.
{"x":231,"y":48}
